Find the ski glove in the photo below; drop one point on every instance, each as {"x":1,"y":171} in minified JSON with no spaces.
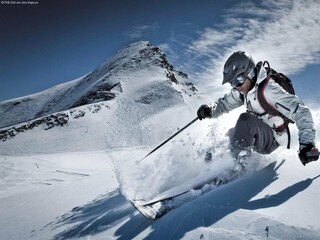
{"x":308,"y":154}
{"x":204,"y":111}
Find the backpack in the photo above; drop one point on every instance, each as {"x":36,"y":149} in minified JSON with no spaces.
{"x":286,"y":84}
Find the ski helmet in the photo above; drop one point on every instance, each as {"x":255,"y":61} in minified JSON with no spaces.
{"x":239,"y":63}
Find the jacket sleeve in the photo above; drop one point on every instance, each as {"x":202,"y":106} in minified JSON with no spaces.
{"x":227,"y":103}
{"x":294,"y":109}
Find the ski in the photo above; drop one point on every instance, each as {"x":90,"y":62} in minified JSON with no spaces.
{"x":177,"y":196}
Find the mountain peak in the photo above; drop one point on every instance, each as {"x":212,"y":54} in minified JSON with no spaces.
{"x":140,"y":71}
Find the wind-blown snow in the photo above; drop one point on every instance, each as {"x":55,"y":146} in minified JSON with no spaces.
{"x":74,"y":181}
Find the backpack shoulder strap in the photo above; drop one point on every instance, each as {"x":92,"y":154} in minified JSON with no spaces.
{"x":262,"y":99}
{"x":271,"y":110}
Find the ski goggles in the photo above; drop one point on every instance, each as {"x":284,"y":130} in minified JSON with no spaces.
{"x":238,"y":81}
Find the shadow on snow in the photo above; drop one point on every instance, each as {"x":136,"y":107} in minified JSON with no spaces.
{"x":113,"y":209}
{"x":98,"y":216}
{"x":214,"y":206}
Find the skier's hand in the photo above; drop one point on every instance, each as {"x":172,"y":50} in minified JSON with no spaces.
{"x":308,"y":154}
{"x":204,"y":111}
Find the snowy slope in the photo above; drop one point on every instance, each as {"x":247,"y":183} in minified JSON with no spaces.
{"x":121,"y":73}
{"x":142,"y":83}
{"x":24,"y":108}
{"x":73,"y":181}
{"x":76,"y":195}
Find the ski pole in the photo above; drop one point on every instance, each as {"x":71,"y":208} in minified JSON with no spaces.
{"x":155,"y":149}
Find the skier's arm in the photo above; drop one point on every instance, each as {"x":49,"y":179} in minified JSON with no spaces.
{"x":294,"y":109}
{"x":227,"y":103}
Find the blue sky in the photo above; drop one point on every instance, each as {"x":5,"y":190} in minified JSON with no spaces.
{"x":55,"y":41}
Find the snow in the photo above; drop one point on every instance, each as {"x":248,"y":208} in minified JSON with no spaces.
{"x":24,"y":108}
{"x":121,"y":73}
{"x":74,"y":181}
{"x":233,"y":210}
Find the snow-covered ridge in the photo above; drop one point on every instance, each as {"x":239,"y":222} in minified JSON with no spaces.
{"x":99,"y":110}
{"x":138,"y":64}
{"x":50,"y":121}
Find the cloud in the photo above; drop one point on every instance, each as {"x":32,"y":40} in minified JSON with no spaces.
{"x":139,"y":31}
{"x":286,"y":34}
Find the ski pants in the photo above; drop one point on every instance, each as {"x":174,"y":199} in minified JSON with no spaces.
{"x":251,"y":132}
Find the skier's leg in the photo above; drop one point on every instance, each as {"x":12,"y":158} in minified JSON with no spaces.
{"x":252,"y":133}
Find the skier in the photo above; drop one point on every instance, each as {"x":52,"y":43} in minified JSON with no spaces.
{"x":257,"y":129}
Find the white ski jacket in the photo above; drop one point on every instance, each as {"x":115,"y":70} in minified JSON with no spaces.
{"x":289,"y":105}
